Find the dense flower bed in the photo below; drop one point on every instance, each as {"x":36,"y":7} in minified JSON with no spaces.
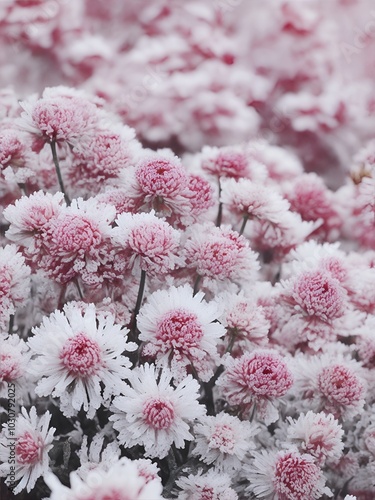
{"x":187,"y":268}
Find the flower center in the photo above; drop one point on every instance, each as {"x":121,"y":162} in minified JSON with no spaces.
{"x":81,"y":356}
{"x":179,"y":329}
{"x":9,"y":368}
{"x":223,"y":439}
{"x":28,"y":451}
{"x":158,"y":413}
{"x":339,"y":385}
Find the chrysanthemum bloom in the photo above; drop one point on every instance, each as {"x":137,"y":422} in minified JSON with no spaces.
{"x":313,"y":201}
{"x":281,"y":164}
{"x":181,"y":331}
{"x":147,"y":243}
{"x":61,"y":114}
{"x":220,"y":254}
{"x":100,"y":161}
{"x":154,"y":413}
{"x":317,"y":434}
{"x":14,"y":149}
{"x":286,"y":475}
{"x":318,"y":294}
{"x":28,"y":218}
{"x":223,"y":440}
{"x":246,"y":322}
{"x":248,"y":199}
{"x":33,"y":440}
{"x":14,"y":282}
{"x":365,"y":342}
{"x":330,"y":383}
{"x":77,"y":242}
{"x":121,"y":481}
{"x":233,"y":162}
{"x":78,"y":358}
{"x":254,"y":381}
{"x":14,"y":359}
{"x":211,"y":485}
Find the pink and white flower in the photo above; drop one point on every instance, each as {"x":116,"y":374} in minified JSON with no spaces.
{"x":78,"y":357}
{"x":154,"y":412}
{"x":181,"y":331}
{"x":211,"y":485}
{"x":33,"y":440}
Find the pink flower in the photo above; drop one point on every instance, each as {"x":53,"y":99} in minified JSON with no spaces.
{"x":317,"y":434}
{"x":14,"y":360}
{"x":223,"y":440}
{"x":60,"y":115}
{"x":154,"y":413}
{"x":33,"y":442}
{"x":78,"y":357}
{"x":254,"y":381}
{"x":286,"y":475}
{"x":319,"y":294}
{"x":212,"y":485}
{"x":14,"y":282}
{"x":180,"y":331}
{"x":220,"y":254}
{"x":147,"y":242}
{"x":246,"y":198}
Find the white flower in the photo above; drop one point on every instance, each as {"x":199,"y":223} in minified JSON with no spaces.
{"x":78,"y":358}
{"x":96,"y":456}
{"x":181,"y":330}
{"x":223,"y":440}
{"x":155,"y":414}
{"x":33,"y":440}
{"x":211,"y":485}
{"x":14,"y":358}
{"x":122,"y":478}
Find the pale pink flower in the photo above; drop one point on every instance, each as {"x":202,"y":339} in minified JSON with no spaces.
{"x":330,"y":383}
{"x":78,"y":357}
{"x":147,"y":243}
{"x":154,"y":413}
{"x":365,"y":342}
{"x":233,"y":162}
{"x":33,"y":440}
{"x":211,"y":485}
{"x":122,"y":478}
{"x":77,"y":242}
{"x":281,"y":164}
{"x":61,"y":114}
{"x":14,"y":359}
{"x":181,"y":330}
{"x":248,"y":199}
{"x":223,"y":440}
{"x":220,"y":254}
{"x":14,"y":282}
{"x":318,"y":434}
{"x":286,"y":475}
{"x":255,"y":381}
{"x":29,"y":216}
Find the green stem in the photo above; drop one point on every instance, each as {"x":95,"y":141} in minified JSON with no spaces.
{"x":58,"y":171}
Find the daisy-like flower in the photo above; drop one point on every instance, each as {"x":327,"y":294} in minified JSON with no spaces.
{"x":247,"y":199}
{"x":154,"y":413}
{"x":96,"y":455}
{"x":123,"y":480}
{"x":286,"y":475}
{"x":78,"y":358}
{"x":254,"y":381}
{"x":181,"y":330}
{"x":32,"y":439}
{"x":318,"y":434}
{"x":14,"y":359}
{"x":220,"y":254}
{"x":148,"y":243}
{"x":14,"y":282}
{"x":212,"y":485}
{"x":223,"y":440}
